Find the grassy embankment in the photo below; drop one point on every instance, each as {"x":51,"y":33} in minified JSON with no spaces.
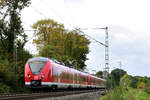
{"x":130,"y":94}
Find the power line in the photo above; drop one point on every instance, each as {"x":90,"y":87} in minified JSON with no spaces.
{"x":38,"y":11}
{"x":63,"y":20}
{"x":69,"y":13}
{"x":56,"y":13}
{"x":30,"y":30}
{"x":32,"y":36}
{"x":91,"y":37}
{"x":85,"y":28}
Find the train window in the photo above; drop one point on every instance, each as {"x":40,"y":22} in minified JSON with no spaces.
{"x":66,"y":75}
{"x":55,"y":73}
{"x":63,"y":75}
{"x":86,"y":78}
{"x":82,"y":78}
{"x":93,"y":80}
{"x":71,"y":76}
{"x":36,"y":66}
{"x":76,"y":76}
{"x":79,"y":77}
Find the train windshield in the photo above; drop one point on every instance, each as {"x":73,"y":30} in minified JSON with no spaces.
{"x":36,"y":66}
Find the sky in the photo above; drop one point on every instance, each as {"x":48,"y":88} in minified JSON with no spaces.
{"x":128,"y":23}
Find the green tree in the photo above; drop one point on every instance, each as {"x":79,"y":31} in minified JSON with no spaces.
{"x":12,"y":37}
{"x":109,"y":83}
{"x":54,"y":41}
{"x":12,"y":29}
{"x":22,"y":56}
{"x":134,"y":82}
{"x":99,"y":74}
{"x":142,"y":79}
{"x":125,"y":81}
{"x":117,"y":74}
{"x":147,"y":88}
{"x":49,"y":51}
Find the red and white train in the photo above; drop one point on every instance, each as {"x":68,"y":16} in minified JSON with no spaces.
{"x":41,"y":72}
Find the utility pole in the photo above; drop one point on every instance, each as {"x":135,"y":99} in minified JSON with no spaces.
{"x":120,"y":65}
{"x":106,"y":69}
{"x":15,"y":55}
{"x":106,"y":51}
{"x":106,"y":44}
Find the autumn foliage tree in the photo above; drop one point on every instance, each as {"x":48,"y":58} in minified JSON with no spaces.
{"x":53,"y":40}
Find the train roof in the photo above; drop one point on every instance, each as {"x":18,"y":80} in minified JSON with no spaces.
{"x":98,"y":77}
{"x":38,"y":59}
{"x":43,"y":59}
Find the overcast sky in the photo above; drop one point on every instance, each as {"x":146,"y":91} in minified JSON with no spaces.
{"x":128,"y":24}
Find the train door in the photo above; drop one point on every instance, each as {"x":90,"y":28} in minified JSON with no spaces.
{"x":51,"y":72}
{"x":59,"y":73}
{"x":89,"y":80}
{"x":73,"y":79}
{"x":77,"y":78}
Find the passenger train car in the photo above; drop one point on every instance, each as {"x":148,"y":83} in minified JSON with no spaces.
{"x":41,"y":72}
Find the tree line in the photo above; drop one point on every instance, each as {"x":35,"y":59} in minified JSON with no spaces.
{"x":119,"y":77}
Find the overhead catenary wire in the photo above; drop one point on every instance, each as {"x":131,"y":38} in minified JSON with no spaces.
{"x":38,"y":11}
{"x":69,"y":12}
{"x":62,"y":20}
{"x":56,"y":13}
{"x":91,"y":37}
{"x":32,"y":36}
{"x":80,"y":28}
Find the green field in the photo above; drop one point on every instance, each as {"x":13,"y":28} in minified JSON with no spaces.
{"x":126,"y":94}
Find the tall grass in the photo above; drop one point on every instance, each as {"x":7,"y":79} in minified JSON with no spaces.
{"x":126,"y":94}
{"x":116,"y":94}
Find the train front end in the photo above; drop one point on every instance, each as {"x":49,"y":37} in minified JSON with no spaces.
{"x":37,"y":72}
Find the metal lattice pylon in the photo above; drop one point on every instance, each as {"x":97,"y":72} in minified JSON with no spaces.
{"x":106,"y":69}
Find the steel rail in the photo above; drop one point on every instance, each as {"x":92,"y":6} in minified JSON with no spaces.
{"x":30,"y":96}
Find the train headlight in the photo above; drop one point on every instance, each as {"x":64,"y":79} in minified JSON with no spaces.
{"x":42,"y":76}
{"x":29,"y":75}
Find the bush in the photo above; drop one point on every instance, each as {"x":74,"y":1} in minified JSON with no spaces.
{"x":147,"y":88}
{"x":125,"y":81}
{"x":116,"y":94}
{"x":134,"y":82}
{"x":140,"y":85}
{"x":4,"y":88}
{"x":7,"y":77}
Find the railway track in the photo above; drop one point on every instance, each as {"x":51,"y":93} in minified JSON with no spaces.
{"x":31,"y":96}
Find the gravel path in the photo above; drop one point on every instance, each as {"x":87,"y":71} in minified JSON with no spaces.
{"x":83,"y":96}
